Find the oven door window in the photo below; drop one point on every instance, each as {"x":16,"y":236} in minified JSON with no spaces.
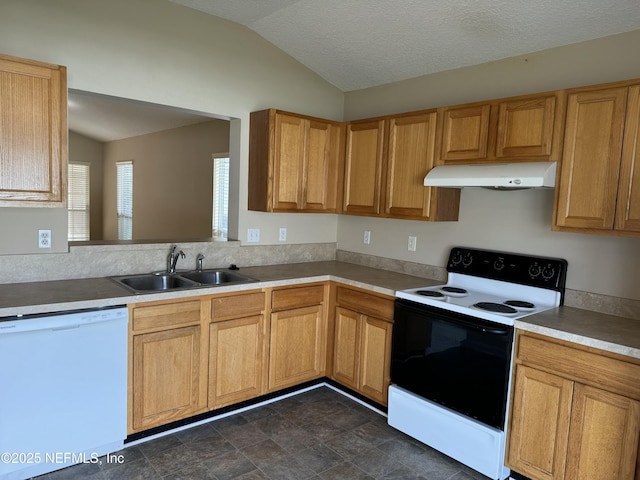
{"x":455,"y":360}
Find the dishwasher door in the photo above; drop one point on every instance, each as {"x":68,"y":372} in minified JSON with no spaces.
{"x":64,"y":390}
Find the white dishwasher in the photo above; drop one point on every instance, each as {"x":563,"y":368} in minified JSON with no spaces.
{"x":63,"y":381}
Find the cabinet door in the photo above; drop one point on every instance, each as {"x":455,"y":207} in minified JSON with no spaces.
{"x":346,"y":349}
{"x":297,"y":346}
{"x":236,"y":360}
{"x":603,"y":442}
{"x":322,"y":176}
{"x":288,"y":160}
{"x":590,"y":167}
{"x":410,"y":157}
{"x":628,"y":206}
{"x":539,"y":431}
{"x":33,"y":133}
{"x":363,"y":167}
{"x":375,"y":359}
{"x":465,"y":133}
{"x":529,"y":129}
{"x":166,"y":376}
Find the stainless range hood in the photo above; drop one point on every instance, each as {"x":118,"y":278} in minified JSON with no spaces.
{"x":501,"y":176}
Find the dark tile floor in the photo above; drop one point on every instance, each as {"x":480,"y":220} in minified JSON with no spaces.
{"x":318,"y":434}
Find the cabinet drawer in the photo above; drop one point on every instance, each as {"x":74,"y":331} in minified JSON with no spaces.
{"x":362,"y":302}
{"x":237,"y":306}
{"x":582,"y":365}
{"x":288,"y":298}
{"x":166,"y":315}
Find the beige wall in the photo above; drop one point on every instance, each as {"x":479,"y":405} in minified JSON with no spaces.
{"x":86,"y":150}
{"x":517,"y":221}
{"x":172,"y":181}
{"x":161,"y":52}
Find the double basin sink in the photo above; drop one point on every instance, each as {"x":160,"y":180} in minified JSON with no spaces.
{"x":162,"y":281}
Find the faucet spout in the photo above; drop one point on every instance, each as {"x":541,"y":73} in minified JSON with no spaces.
{"x":172,"y":259}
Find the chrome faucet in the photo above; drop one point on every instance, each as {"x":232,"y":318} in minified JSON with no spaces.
{"x":172,"y":259}
{"x":199,"y":260}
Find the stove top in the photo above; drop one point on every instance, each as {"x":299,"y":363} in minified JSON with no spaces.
{"x":496,"y":286}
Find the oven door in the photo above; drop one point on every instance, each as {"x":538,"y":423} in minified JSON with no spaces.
{"x":458,"y":361}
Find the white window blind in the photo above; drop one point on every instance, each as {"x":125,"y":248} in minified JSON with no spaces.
{"x":78,"y":202}
{"x":220,"y":218}
{"x":124,"y":185}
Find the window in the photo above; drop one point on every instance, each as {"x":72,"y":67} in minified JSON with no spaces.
{"x":220,"y":220}
{"x":78,"y":202}
{"x":124,"y":187}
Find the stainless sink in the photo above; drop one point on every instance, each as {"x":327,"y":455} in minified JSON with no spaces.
{"x":161,"y":282}
{"x":155,"y":282}
{"x":217,"y":277}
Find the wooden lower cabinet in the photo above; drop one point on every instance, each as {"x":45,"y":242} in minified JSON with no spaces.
{"x":362,"y":342}
{"x":166,"y":370}
{"x":581,"y":422}
{"x":346,"y":347}
{"x":237,"y":349}
{"x":190,"y":356}
{"x":540,"y":423}
{"x":603,"y":438}
{"x":236,"y":360}
{"x":298,"y":336}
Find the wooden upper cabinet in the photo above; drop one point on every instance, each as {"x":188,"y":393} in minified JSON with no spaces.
{"x":295,"y":163}
{"x":465,"y":133}
{"x":322,"y":187}
{"x":33,"y":133}
{"x":363,"y":167}
{"x":526,"y":128}
{"x":598,"y":187}
{"x":530,"y":128}
{"x":628,"y":204}
{"x":386,"y":162}
{"x":288,"y":159}
{"x":410,"y":156}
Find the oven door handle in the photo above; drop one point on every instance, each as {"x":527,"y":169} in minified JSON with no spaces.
{"x":494,"y":331}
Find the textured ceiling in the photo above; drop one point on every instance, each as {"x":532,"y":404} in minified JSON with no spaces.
{"x":356,"y":44}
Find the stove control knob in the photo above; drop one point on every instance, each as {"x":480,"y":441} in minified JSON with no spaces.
{"x":548,"y":272}
{"x":534,"y":270}
{"x":457,"y":258}
{"x":498,"y":264}
{"x":467,"y":260}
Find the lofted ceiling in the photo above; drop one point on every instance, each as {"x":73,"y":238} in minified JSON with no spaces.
{"x":104,"y":118}
{"x":355,"y":44}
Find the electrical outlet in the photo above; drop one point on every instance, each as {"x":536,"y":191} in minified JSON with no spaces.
{"x":367,"y":237}
{"x":283,"y":234}
{"x":411,"y":245}
{"x":253,"y":235}
{"x":44,"y":238}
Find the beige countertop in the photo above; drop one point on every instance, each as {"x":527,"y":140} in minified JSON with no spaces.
{"x":607,"y":332}
{"x":61,"y":295}
{"x":593,"y":329}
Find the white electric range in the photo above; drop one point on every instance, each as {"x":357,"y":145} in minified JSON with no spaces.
{"x":452,"y":348}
